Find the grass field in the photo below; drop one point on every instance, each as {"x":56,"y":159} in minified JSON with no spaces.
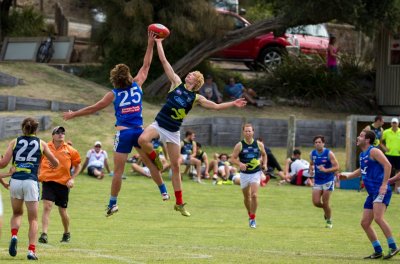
{"x":147,"y":230}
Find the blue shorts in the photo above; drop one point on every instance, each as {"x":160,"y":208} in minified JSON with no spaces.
{"x":375,"y":198}
{"x":126,"y":139}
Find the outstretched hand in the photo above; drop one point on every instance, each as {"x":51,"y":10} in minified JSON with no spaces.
{"x":68,"y":115}
{"x":241,"y":102}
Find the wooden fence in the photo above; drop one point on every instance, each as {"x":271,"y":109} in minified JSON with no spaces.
{"x":227,"y":131}
{"x":12,"y":103}
{"x":10,"y":126}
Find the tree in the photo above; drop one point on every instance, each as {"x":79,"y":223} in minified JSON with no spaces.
{"x":367,"y":15}
{"x":5,"y":6}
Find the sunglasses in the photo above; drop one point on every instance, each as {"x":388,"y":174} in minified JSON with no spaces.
{"x":97,"y":146}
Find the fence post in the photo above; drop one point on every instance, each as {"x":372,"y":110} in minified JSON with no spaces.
{"x":11,"y":103}
{"x":54,"y":106}
{"x":291,"y":139}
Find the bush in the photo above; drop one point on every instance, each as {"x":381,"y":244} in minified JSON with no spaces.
{"x":305,"y":80}
{"x":25,"y":23}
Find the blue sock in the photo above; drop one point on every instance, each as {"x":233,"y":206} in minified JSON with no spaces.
{"x":377,"y":246}
{"x":163,"y":188}
{"x":391,"y":243}
{"x":113,"y":201}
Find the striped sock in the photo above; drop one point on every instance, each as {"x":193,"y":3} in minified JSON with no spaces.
{"x":163,"y":188}
{"x":391,"y":243}
{"x":377,"y":246}
{"x":113,"y":201}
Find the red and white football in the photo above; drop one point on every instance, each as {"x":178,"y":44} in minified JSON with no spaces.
{"x":160,"y":30}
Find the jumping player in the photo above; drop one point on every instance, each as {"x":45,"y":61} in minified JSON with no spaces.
{"x":375,"y":172}
{"x":180,"y":100}
{"x":323,"y":165}
{"x":127,"y":99}
{"x":246,"y":155}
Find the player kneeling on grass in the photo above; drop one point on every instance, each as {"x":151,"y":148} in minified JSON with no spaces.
{"x":375,"y":171}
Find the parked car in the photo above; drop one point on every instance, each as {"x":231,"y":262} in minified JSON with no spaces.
{"x":267,"y":50}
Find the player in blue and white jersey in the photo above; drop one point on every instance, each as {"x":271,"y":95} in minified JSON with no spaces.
{"x":375,"y":172}
{"x":323,"y":166}
{"x":127,"y":99}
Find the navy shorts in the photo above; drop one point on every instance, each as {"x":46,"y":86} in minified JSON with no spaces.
{"x":369,"y":202}
{"x":126,"y":139}
{"x":55,"y":192}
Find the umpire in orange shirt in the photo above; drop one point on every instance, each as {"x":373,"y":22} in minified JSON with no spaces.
{"x":57,"y":182}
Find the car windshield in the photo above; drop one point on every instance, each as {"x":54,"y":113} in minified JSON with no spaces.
{"x":309,"y":30}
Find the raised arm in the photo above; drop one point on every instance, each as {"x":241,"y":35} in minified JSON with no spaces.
{"x":103,"y":103}
{"x":141,"y":76}
{"x":241,"y":102}
{"x":169,"y":71}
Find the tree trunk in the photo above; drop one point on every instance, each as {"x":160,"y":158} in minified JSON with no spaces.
{"x":4,"y":10}
{"x":208,"y":47}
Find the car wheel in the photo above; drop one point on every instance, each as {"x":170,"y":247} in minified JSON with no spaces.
{"x":271,"y":57}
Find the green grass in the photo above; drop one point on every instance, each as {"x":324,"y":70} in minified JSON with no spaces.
{"x":147,"y":230}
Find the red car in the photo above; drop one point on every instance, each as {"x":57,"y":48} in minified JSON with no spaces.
{"x":267,"y":50}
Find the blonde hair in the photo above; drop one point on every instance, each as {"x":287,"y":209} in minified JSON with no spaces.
{"x":199,"y":80}
{"x":120,"y":76}
{"x":29,"y":126}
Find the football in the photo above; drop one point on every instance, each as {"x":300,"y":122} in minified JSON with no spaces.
{"x":160,"y":30}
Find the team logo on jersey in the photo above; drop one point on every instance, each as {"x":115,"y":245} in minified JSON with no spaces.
{"x":178,"y":91}
{"x":132,"y":109}
{"x":364,"y":170}
{"x":180,"y":101}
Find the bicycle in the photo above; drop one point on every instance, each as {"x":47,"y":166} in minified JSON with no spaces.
{"x":46,"y":50}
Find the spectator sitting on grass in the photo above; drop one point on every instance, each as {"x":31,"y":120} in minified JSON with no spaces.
{"x":237,"y":90}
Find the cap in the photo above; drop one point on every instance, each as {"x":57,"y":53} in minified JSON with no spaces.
{"x":58,"y":128}
{"x":208,"y":76}
{"x":97,"y":143}
{"x":395,"y":120}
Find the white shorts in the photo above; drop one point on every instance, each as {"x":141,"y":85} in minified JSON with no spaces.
{"x":27,"y":190}
{"x":167,"y":136}
{"x":248,"y":178}
{"x":185,"y":159}
{"x":146,"y":171}
{"x":329,"y":186}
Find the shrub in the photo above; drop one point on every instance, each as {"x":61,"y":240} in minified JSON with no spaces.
{"x":306,"y":80}
{"x":25,"y":23}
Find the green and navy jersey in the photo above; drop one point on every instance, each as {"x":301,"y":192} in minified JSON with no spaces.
{"x":324,"y":160}
{"x":372,"y":172}
{"x":200,"y":156}
{"x":128,"y":106}
{"x":250,"y":155}
{"x":27,"y":155}
{"x":378,"y":132}
{"x":187,"y":147}
{"x":179,"y":102}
